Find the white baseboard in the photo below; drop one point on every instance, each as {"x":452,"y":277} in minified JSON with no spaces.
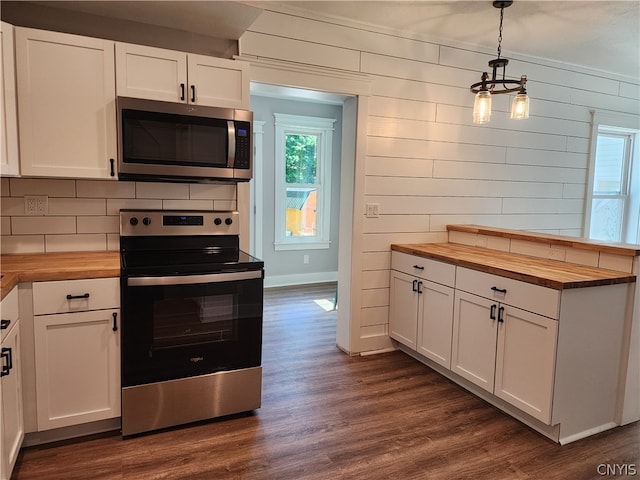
{"x":299,"y":279}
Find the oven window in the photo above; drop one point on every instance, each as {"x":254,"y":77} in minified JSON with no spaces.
{"x":179,"y":322}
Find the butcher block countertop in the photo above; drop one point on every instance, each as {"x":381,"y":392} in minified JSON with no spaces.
{"x":538,"y":271}
{"x":40,"y":267}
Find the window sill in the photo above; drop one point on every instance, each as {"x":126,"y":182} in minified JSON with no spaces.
{"x":301,"y":245}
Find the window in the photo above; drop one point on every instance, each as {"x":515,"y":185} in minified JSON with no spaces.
{"x":303,"y":181}
{"x":615,"y":186}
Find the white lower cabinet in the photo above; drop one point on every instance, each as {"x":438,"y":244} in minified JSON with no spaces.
{"x":507,"y":351}
{"x":421,"y":306}
{"x":11,"y":418}
{"x":77,"y":353}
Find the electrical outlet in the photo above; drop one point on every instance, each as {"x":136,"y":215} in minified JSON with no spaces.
{"x":36,"y":205}
{"x":372,"y":210}
{"x":305,"y":259}
{"x":557,"y":254}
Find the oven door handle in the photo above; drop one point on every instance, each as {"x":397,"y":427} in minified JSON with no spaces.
{"x":191,"y":279}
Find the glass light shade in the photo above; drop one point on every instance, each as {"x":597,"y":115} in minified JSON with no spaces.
{"x":520,"y":106}
{"x":482,"y":107}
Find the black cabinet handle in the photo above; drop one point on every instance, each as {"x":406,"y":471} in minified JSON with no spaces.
{"x":113,"y":167}
{"x":182,"y":92}
{"x":501,"y":315}
{"x":4,"y":324}
{"x":115,"y":321}
{"x":499,"y":290}
{"x":193,"y":93}
{"x":76,"y":297}
{"x":6,"y":353}
{"x":419,"y":287}
{"x":415,"y":282}
{"x":419,"y":267}
{"x":492,"y":312}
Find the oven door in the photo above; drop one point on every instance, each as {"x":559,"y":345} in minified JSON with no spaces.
{"x":182,"y":326}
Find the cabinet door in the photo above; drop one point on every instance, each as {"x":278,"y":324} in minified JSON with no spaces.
{"x":218,"y":82}
{"x":525,"y":362}
{"x":9,"y":161}
{"x":151,"y":73}
{"x":473,"y":350}
{"x":12,"y":418}
{"x":77,"y":367}
{"x":435,"y":322}
{"x":66,"y":101}
{"x":403,"y":309}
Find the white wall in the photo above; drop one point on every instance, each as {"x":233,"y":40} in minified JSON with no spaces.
{"x":286,"y":266}
{"x":426,"y":164}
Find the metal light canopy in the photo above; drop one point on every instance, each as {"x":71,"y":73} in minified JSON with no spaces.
{"x":496,"y":86}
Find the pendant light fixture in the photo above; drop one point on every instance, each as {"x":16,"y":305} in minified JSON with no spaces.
{"x":495,"y":86}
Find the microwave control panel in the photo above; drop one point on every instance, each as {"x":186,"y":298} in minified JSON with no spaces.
{"x":243,"y":145}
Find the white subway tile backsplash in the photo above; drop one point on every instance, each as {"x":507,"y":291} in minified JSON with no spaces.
{"x":76,"y":243}
{"x":99,"y":224}
{"x":187,"y":205}
{"x":582,"y":257}
{"x":211,"y":191}
{"x":42,"y":186}
{"x":43,"y":225}
{"x":116,"y":204}
{"x":162,"y":190}
{"x":5,"y":226}
{"x":463,"y":238}
{"x":621,"y":263}
{"x":83,"y":215}
{"x":540,"y":250}
{"x":113,"y":242}
{"x":77,"y":206}
{"x":105,"y":189}
{"x":225,"y":205}
{"x":22,"y":244}
{"x":499,"y":243}
{"x":12,"y":206}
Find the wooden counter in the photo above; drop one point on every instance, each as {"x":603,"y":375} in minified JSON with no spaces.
{"x":538,"y":271}
{"x":39,"y":267}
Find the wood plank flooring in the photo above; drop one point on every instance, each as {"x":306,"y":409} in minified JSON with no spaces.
{"x":326,"y":415}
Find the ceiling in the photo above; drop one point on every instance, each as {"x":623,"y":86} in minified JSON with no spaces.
{"x":601,"y":35}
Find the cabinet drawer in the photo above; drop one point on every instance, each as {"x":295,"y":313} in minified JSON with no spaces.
{"x":533,"y":298}
{"x":9,"y":311}
{"x":90,"y":294}
{"x":438,"y":272}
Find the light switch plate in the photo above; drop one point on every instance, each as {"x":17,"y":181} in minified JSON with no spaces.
{"x":372,"y":210}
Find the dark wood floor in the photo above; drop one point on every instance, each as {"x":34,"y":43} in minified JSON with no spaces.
{"x":326,"y":415}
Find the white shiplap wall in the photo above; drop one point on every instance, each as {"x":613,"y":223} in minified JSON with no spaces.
{"x":427,"y":165}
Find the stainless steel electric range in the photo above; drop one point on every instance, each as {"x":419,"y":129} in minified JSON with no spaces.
{"x":191,"y":319}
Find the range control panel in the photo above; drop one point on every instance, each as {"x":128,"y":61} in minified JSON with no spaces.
{"x":171,"y":222}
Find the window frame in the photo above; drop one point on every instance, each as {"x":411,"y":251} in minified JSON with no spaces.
{"x":629,"y":128}
{"x":286,"y":124}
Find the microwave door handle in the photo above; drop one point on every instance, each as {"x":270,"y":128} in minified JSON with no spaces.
{"x":193,"y":279}
{"x":231,"y":129}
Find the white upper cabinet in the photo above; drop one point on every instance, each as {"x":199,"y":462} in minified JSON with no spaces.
{"x":159,"y":74}
{"x":66,"y":104}
{"x":9,"y":161}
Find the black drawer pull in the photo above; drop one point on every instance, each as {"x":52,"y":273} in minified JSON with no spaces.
{"x":4,"y":324}
{"x":499,"y":290}
{"x":492,"y":312}
{"x":193,"y":94}
{"x":501,"y":315}
{"x":419,"y":267}
{"x":182,"y":92}
{"x":6,"y":353}
{"x":76,"y":297}
{"x":115,"y":321}
{"x":415,"y":282}
{"x":112,"y":162}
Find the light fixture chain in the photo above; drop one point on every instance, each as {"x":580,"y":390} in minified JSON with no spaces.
{"x":500,"y":34}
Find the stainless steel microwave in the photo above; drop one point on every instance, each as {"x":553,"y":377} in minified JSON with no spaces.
{"x":165,"y":141}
